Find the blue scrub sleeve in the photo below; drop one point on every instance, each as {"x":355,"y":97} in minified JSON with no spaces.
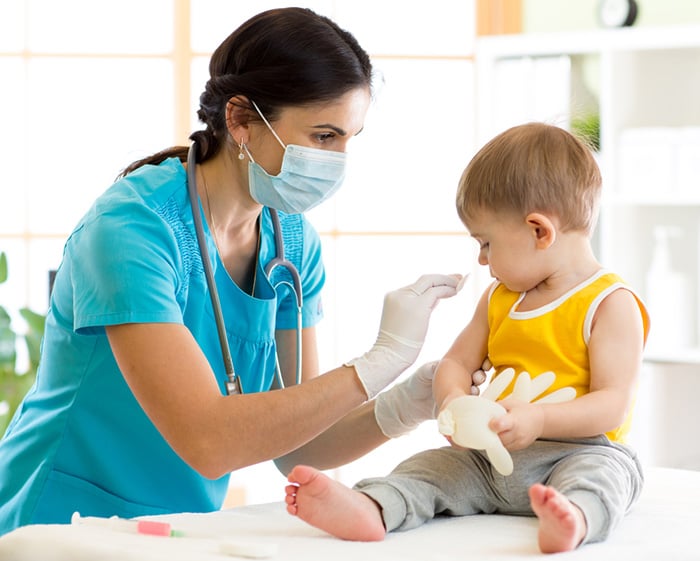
{"x":124,"y":269}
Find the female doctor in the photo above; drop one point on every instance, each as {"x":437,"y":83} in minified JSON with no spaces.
{"x":130,"y":413}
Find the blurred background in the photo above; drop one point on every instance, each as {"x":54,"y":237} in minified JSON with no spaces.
{"x":89,"y":86}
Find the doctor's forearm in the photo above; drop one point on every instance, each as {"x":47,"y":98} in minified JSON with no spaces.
{"x":215,"y":434}
{"x":251,"y":428}
{"x":350,"y":438}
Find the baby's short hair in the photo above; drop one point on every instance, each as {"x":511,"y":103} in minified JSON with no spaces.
{"x":533,"y":168}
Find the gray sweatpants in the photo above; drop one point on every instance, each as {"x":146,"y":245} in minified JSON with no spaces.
{"x":601,"y":477}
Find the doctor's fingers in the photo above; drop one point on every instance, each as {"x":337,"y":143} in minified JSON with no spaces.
{"x":433,"y":294}
{"x":478,"y":377}
{"x":431,"y":282}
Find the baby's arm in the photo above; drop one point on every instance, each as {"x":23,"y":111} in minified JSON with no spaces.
{"x":615,"y":355}
{"x":466,"y":355}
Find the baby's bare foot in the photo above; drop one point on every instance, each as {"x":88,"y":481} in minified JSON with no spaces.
{"x":332,"y":507}
{"x":562,"y":524}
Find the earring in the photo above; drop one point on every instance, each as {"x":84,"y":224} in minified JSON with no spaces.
{"x":241,"y":155}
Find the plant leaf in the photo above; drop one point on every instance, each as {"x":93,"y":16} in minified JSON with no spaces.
{"x":36,"y":322}
{"x":3,"y":267}
{"x":8,"y":353}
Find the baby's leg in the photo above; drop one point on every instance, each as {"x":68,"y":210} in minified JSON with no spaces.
{"x":333,"y":507}
{"x":603,"y":480}
{"x":562,"y":524}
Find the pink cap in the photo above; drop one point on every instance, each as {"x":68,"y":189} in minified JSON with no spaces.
{"x":152,"y":528}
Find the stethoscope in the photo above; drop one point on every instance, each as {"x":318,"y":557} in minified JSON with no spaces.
{"x":233,"y":384}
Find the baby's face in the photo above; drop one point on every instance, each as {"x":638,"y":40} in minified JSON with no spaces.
{"x":507,"y":246}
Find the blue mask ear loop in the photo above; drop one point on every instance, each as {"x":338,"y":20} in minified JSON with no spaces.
{"x":233,"y":385}
{"x":281,"y":261}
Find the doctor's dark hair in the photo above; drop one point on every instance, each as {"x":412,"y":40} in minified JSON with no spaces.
{"x":533,"y":168}
{"x":278,"y":58}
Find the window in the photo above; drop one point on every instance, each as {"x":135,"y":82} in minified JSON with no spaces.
{"x":83,"y":101}
{"x":80,"y":102}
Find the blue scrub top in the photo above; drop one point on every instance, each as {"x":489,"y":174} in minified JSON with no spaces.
{"x":80,"y":441}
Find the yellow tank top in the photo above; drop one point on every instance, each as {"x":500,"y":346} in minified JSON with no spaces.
{"x":554,"y":337}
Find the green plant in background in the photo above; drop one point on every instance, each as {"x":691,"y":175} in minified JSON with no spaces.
{"x":15,"y":384}
{"x":587,"y":128}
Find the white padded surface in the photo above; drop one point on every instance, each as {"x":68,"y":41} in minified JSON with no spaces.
{"x":664,"y":525}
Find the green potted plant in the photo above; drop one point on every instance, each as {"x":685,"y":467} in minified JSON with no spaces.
{"x":587,"y":128}
{"x":14,"y":384}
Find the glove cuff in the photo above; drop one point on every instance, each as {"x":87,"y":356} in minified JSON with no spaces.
{"x":377,"y":368}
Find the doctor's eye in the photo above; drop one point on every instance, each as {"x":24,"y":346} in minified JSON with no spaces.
{"x":324,"y":137}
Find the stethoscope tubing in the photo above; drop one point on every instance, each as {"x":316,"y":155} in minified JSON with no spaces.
{"x":233,"y":384}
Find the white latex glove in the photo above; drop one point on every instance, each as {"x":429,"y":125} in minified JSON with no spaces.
{"x":404,"y":406}
{"x":466,"y":419}
{"x":402,"y":330}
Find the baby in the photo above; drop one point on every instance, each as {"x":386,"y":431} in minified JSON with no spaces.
{"x":530,"y":199}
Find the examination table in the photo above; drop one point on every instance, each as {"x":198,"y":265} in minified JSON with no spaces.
{"x":663,"y":526}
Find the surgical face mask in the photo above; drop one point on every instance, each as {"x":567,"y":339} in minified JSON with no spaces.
{"x":308,"y":177}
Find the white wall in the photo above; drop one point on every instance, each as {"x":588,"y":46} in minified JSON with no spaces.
{"x":565,"y":15}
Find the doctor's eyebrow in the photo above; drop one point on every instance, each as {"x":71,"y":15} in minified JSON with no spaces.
{"x":335,"y":129}
{"x":338,"y":130}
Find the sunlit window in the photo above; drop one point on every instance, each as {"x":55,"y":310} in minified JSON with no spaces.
{"x":87,"y":87}
{"x":90,"y":86}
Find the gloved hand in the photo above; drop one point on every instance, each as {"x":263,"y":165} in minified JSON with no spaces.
{"x":479,"y":376}
{"x":404,"y":406}
{"x":402,"y":330}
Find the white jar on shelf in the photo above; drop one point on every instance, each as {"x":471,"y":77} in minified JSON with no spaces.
{"x":667,"y":297}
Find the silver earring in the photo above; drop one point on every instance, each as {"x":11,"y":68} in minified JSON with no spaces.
{"x":241,"y":155}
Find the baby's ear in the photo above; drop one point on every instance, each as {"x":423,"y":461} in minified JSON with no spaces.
{"x":543,"y":229}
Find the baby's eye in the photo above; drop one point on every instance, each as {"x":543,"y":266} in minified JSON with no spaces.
{"x":483,"y":245}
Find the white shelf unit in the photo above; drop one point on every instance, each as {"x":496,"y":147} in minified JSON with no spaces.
{"x":639,"y":81}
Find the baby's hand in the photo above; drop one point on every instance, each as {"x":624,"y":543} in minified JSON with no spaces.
{"x":520,"y":426}
{"x":466,"y":421}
